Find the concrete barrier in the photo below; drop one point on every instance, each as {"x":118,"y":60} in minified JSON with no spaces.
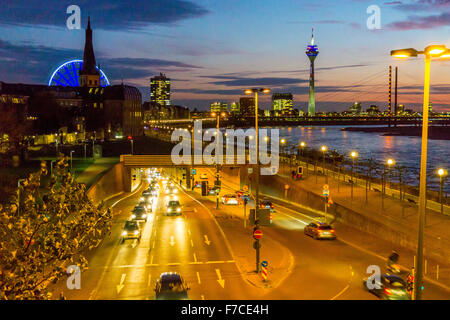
{"x":110,"y":183}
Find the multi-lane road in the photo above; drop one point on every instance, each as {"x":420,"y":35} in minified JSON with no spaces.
{"x":194,"y":246}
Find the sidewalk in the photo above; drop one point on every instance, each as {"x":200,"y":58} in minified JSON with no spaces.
{"x":230,"y":220}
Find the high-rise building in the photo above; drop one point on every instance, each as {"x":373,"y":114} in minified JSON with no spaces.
{"x":219,"y":107}
{"x":160,"y":90}
{"x":355,"y":109}
{"x":234,"y":108}
{"x":247,"y":106}
{"x":312,"y":51}
{"x":282,"y":103}
{"x":400,"y":109}
{"x":89,"y":75}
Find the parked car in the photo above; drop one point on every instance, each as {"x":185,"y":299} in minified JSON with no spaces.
{"x":319,"y":230}
{"x":171,"y":286}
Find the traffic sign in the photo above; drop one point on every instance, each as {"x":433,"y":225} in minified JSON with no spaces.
{"x":245,"y":188}
{"x":264,"y":263}
{"x":325,"y":192}
{"x":250,"y":170}
{"x":193,"y":172}
{"x":286,"y":186}
{"x":257,"y":234}
{"x":326,"y":187}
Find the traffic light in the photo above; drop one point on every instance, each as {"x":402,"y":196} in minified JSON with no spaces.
{"x":130,"y":138}
{"x":184,"y":175}
{"x":134,"y":177}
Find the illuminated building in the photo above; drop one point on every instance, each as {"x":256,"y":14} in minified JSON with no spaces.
{"x":234,"y":108}
{"x":282,"y":104}
{"x":160,"y":90}
{"x":219,"y":107}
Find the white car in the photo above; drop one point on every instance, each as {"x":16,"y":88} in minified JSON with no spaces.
{"x":230,"y":199}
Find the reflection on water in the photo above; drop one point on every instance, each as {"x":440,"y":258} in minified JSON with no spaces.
{"x":405,"y":150}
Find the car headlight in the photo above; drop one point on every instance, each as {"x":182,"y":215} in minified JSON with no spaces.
{"x":141,"y":199}
{"x":133,"y":216}
{"x":175,"y":190}
{"x":178,"y":209}
{"x":124,"y":233}
{"x":136,"y":232}
{"x":169,"y":209}
{"x":144,"y":216}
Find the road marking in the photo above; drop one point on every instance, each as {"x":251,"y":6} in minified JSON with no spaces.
{"x":172,"y":242}
{"x":220,"y":280}
{"x":121,"y":285}
{"x":192,"y":243}
{"x":174,"y":264}
{"x":196,"y":262}
{"x":207,"y":262}
{"x":189,"y":231}
{"x":195,"y":209}
{"x":230,"y":261}
{"x":206,"y":240}
{"x":151,"y":259}
{"x":198,"y":277}
{"x":203,"y":297}
{"x":153,"y":246}
{"x":341,"y":292}
{"x":195,"y":258}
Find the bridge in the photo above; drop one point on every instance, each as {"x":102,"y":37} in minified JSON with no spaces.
{"x":165,"y":161}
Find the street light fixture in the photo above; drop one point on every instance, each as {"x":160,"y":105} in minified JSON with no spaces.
{"x":390,"y":162}
{"x":324,"y":149}
{"x":217,"y":115}
{"x":353,"y":155}
{"x":255,"y":92}
{"x":433,"y":51}
{"x":442,"y":173}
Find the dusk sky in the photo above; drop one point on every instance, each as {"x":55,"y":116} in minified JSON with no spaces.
{"x":213,"y":49}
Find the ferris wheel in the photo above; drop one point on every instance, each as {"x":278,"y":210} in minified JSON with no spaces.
{"x":68,"y":75}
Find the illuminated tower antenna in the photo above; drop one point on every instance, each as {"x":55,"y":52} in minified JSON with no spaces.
{"x":312,"y":51}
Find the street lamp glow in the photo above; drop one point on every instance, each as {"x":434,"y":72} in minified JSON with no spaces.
{"x":283,"y":141}
{"x":390,"y":162}
{"x":404,"y":53}
{"x":442,"y":172}
{"x":266,"y":138}
{"x":302,"y":144}
{"x":354,"y":154}
{"x":324,"y":148}
{"x":435,"y":50}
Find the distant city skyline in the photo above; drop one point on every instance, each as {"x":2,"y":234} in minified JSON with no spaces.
{"x":252,"y":45}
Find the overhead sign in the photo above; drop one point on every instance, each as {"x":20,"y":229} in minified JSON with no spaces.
{"x":250,"y":170}
{"x":326,"y":187}
{"x":257,"y":234}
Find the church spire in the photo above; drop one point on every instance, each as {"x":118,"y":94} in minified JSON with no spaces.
{"x":89,"y":64}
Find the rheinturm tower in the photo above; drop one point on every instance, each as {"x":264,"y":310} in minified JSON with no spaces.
{"x":312,"y":51}
{"x":89,"y":75}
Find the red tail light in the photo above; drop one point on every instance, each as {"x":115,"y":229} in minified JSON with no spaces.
{"x":332,"y":231}
{"x":387,"y":291}
{"x":271,"y":206}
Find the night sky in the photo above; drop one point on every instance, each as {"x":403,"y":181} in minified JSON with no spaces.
{"x":213,"y":49}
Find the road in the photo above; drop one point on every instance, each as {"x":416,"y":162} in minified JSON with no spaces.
{"x":193,"y":245}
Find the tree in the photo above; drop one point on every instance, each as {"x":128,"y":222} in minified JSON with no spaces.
{"x":55,"y":226}
{"x":13,"y":123}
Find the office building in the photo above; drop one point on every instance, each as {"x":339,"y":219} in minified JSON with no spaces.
{"x":160,"y":90}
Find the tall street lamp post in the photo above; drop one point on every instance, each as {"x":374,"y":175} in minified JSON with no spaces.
{"x":433,"y":51}
{"x":390,"y":163}
{"x":217,"y":115}
{"x":353,"y":155}
{"x":324,"y":149}
{"x":255,"y":91}
{"x":442,"y":173}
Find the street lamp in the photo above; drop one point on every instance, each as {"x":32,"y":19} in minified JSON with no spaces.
{"x":353,"y":155}
{"x":433,"y":51}
{"x":442,"y":173}
{"x":390,"y":162}
{"x":324,"y":149}
{"x":217,"y":115}
{"x":255,"y":91}
{"x":302,"y":146}
{"x":71,"y":160}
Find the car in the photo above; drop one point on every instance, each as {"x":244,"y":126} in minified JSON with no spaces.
{"x":146,"y":205}
{"x":146,"y":193}
{"x":171,"y":286}
{"x":171,"y":189}
{"x":203,"y":176}
{"x":131,"y":230}
{"x":212,"y":191}
{"x":139,"y":213}
{"x":319,"y":230}
{"x":389,"y":287}
{"x":173,"y":208}
{"x":197,"y":184}
{"x":230,"y":199}
{"x":266,"y":204}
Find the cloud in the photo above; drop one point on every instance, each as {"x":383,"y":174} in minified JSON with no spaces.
{"x":264,"y":81}
{"x":106,"y":14}
{"x":26,"y":62}
{"x":420,"y":5}
{"x":422,"y":22}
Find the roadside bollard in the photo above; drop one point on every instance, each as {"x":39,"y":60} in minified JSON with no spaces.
{"x":264,"y":265}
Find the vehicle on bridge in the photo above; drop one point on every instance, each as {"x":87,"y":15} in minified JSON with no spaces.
{"x":320,"y":230}
{"x":173,"y":208}
{"x":139,"y":213}
{"x":131,"y":230}
{"x":390,"y":287}
{"x":171,"y":286}
{"x":230,"y":199}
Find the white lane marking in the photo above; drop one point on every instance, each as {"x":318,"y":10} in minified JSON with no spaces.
{"x":207,"y":262}
{"x":192,"y":243}
{"x":172,"y":242}
{"x":153,"y":246}
{"x":151,"y":259}
{"x":341,"y":292}
{"x":220,"y":280}
{"x":206,"y":240}
{"x":149,"y":282}
{"x":195,"y":258}
{"x":299,"y":220}
{"x":195,"y":209}
{"x":189,"y":231}
{"x":121,"y":285}
{"x":198,"y":277}
{"x":174,"y":264}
